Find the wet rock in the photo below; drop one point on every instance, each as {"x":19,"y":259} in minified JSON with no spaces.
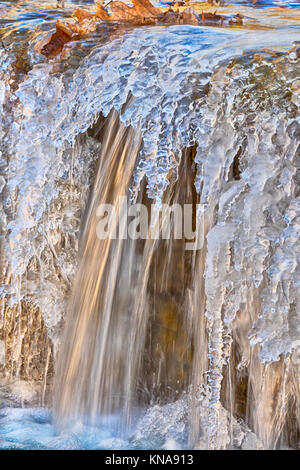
{"x":25,"y":354}
{"x":294,"y":53}
{"x":236,"y":20}
{"x":251,"y":442}
{"x":17,"y":392}
{"x":296,"y":92}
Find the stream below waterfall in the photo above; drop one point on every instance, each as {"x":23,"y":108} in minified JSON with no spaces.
{"x":142,"y":343}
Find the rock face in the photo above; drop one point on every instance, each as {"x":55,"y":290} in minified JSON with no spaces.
{"x":26,"y":358}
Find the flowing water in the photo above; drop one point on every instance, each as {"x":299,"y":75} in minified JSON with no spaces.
{"x":153,"y":345}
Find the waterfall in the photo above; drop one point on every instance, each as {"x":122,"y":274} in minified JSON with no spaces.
{"x":216,"y":296}
{"x":143,"y":328}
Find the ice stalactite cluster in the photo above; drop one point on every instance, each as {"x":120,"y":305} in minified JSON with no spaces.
{"x":43,"y":194}
{"x":248,"y":166}
{"x":258,"y":209}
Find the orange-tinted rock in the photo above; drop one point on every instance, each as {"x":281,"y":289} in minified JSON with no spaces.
{"x":122,"y":12}
{"x":101,"y":13}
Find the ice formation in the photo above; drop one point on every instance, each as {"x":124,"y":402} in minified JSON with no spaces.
{"x":174,"y":88}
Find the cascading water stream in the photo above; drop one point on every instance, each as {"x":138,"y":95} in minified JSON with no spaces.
{"x":222,"y":193}
{"x":207,"y":337}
